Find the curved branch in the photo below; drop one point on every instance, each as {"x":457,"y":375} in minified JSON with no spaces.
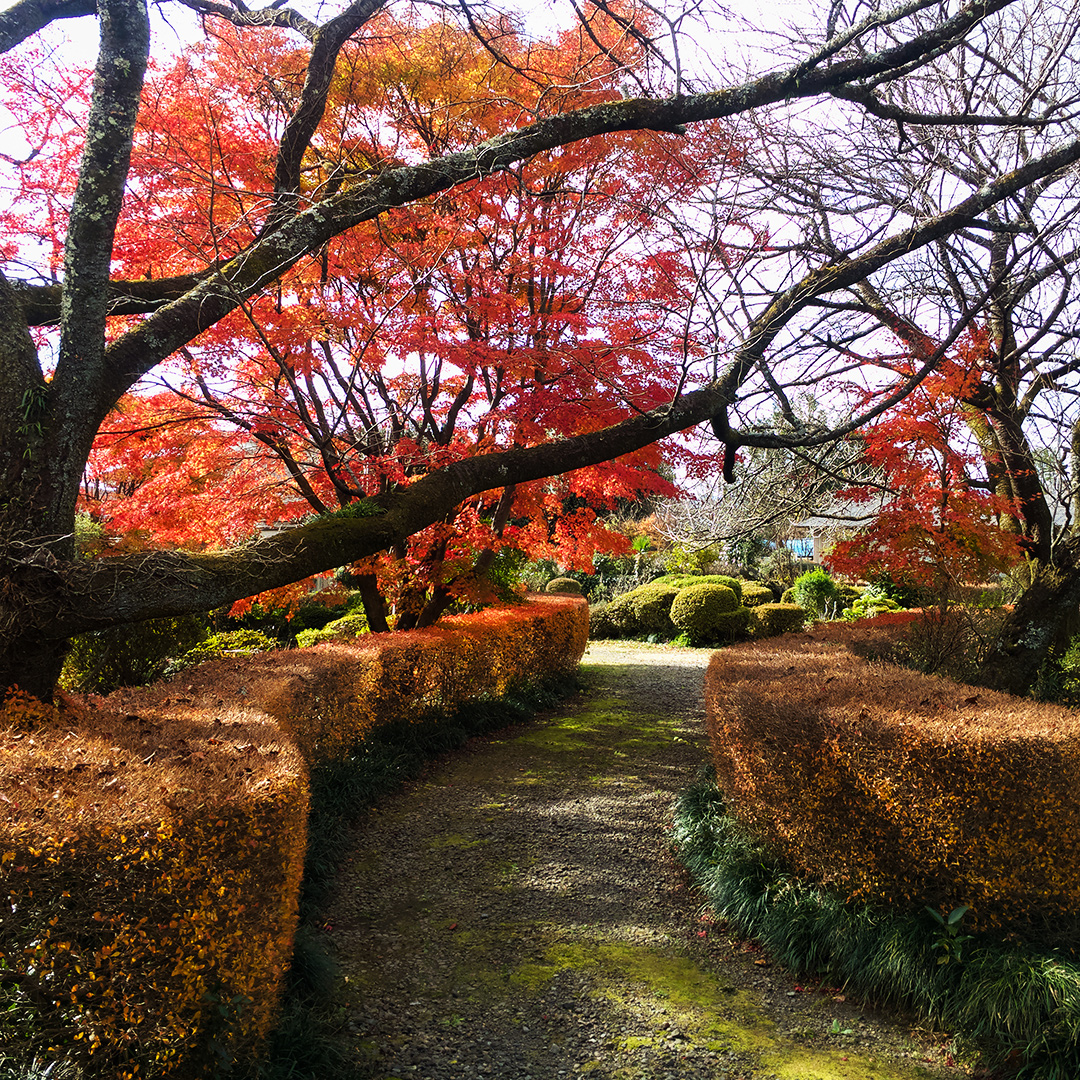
{"x":282,"y":247}
{"x":26,"y":17}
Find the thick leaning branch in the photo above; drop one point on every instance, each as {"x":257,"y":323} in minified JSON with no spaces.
{"x":24,"y":19}
{"x":129,"y":588}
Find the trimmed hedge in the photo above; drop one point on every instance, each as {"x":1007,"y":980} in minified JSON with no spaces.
{"x":770,"y":620}
{"x":563,"y":585}
{"x":901,"y":788}
{"x":153,"y":859}
{"x":348,"y":626}
{"x":152,"y":846}
{"x":650,"y":608}
{"x":1016,"y":1007}
{"x":707,"y":613}
{"x":684,"y":581}
{"x":754,"y":595}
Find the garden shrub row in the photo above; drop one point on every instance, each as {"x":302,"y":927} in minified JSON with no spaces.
{"x":151,"y":846}
{"x":890,"y":786}
{"x":704,"y":609}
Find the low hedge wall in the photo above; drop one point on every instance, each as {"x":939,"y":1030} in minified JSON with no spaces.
{"x":152,"y":843}
{"x":150,"y":866}
{"x":897,"y":787}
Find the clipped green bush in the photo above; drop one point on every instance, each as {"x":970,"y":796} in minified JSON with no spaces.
{"x":650,"y":606}
{"x":768,"y":620}
{"x":563,"y":585}
{"x":684,"y":581}
{"x":866,"y":607}
{"x":246,"y":641}
{"x":707,"y":613}
{"x":848,"y":594}
{"x":620,"y":612}
{"x":348,"y":626}
{"x":131,"y":655}
{"x":814,"y":591}
{"x":601,"y":625}
{"x":754,"y":595}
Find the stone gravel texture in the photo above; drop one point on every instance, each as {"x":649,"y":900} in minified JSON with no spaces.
{"x":518,"y":913}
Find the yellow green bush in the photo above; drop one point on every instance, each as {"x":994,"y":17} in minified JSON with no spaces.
{"x":684,"y":581}
{"x":707,"y":612}
{"x":754,"y":595}
{"x":769,"y":620}
{"x":650,"y":607}
{"x":902,"y":788}
{"x":348,"y":626}
{"x":563,"y":585}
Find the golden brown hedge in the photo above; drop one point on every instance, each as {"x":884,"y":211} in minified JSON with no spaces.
{"x":150,"y":864}
{"x":152,"y":843}
{"x":899,"y":787}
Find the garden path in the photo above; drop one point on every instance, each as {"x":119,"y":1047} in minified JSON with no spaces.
{"x":517,"y":914}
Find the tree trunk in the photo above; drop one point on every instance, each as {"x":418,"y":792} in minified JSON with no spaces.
{"x":374,"y":607}
{"x":1032,"y":631}
{"x":33,"y":666}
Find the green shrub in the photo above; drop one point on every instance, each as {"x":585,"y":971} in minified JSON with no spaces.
{"x":131,"y":655}
{"x":563,"y":585}
{"x":733,"y":626}
{"x":768,"y":620}
{"x":684,"y":581}
{"x":848,"y":594}
{"x":349,"y":626}
{"x":699,"y":611}
{"x":866,"y":607}
{"x":814,"y":591}
{"x":754,"y":595}
{"x":218,"y":644}
{"x":650,"y":606}
{"x":601,"y":624}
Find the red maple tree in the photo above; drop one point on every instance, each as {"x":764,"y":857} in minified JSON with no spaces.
{"x":938,"y":525}
{"x":548,"y":299}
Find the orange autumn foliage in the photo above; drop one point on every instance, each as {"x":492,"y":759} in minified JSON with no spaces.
{"x":901,"y":788}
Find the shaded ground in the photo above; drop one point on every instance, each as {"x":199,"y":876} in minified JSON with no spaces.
{"x":518,"y":914}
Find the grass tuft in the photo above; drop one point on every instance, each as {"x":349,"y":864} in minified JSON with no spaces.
{"x":1016,"y":1007}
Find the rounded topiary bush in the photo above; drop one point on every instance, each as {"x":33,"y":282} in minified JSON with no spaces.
{"x":866,"y":607}
{"x":754,"y":595}
{"x":601,"y":624}
{"x":620,"y":613}
{"x":563,"y":585}
{"x":814,"y":590}
{"x":699,"y":611}
{"x":768,"y":620}
{"x":349,"y":626}
{"x":848,"y":594}
{"x":650,"y":606}
{"x":684,"y":581}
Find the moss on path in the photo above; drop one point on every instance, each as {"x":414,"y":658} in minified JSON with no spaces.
{"x":517,"y":914}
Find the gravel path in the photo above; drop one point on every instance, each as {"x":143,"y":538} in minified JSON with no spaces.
{"x":517,"y":914}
